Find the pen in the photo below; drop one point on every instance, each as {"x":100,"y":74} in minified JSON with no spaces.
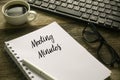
{"x":36,"y":69}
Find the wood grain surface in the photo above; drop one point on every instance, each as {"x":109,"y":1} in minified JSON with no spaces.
{"x":9,"y":70}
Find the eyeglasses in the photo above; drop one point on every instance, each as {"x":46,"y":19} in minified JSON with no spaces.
{"x":106,"y":54}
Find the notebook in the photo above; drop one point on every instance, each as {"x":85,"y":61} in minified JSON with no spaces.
{"x":56,"y":53}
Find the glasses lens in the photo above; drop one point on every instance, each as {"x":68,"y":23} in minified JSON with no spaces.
{"x":90,"y":35}
{"x":106,"y":54}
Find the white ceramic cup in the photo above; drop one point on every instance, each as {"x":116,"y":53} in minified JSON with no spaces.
{"x":21,"y":19}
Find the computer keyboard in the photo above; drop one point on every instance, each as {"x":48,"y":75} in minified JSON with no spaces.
{"x":105,"y":13}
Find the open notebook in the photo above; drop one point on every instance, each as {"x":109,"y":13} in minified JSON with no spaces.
{"x":56,"y":53}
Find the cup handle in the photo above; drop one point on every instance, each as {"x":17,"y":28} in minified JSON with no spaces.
{"x":31,"y":15}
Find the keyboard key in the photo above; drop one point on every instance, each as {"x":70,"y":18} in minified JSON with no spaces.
{"x":82,"y":9}
{"x":107,"y":11}
{"x":89,"y":11}
{"x":44,"y":4}
{"x":113,"y":3}
{"x":81,"y":4}
{"x":115,"y":18}
{"x":46,"y":0}
{"x":68,"y":11}
{"x":52,"y":6}
{"x":57,"y":3}
{"x":108,"y":6}
{"x":96,"y":13}
{"x":103,"y":15}
{"x":64,"y":4}
{"x":31,"y":1}
{"x":101,"y":4}
{"x":88,"y":1}
{"x":52,"y":1}
{"x":76,"y":8}
{"x":101,"y":9}
{"x":82,"y":0}
{"x":108,"y":22}
{"x":118,"y":4}
{"x":101,"y":20}
{"x":93,"y":18}
{"x":70,"y":6}
{"x":88,"y":6}
{"x":118,"y":9}
{"x":69,"y":1}
{"x":106,"y":1}
{"x":63,"y":0}
{"x":85,"y":16}
{"x":38,"y":2}
{"x":114,"y":8}
{"x":117,"y":0}
{"x":116,"y":25}
{"x":116,"y":13}
{"x":100,"y":0}
{"x":95,"y":3}
{"x":94,"y":7}
{"x":75,"y":3}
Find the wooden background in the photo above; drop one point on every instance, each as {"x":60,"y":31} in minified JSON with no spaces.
{"x":9,"y":70}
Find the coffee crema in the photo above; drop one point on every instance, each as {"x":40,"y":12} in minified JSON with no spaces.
{"x":16,"y":10}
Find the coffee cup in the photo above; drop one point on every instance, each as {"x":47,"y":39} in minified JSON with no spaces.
{"x":18,"y":12}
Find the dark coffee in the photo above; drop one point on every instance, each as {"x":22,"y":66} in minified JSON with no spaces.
{"x":16,"y":10}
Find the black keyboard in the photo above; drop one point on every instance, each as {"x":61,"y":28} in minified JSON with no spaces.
{"x":104,"y":13}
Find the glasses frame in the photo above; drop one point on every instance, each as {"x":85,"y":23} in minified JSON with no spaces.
{"x":113,"y":53}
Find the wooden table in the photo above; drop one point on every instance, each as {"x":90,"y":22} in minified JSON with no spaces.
{"x":9,"y":70}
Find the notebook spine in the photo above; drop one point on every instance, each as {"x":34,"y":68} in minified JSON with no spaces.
{"x":18,"y":61}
